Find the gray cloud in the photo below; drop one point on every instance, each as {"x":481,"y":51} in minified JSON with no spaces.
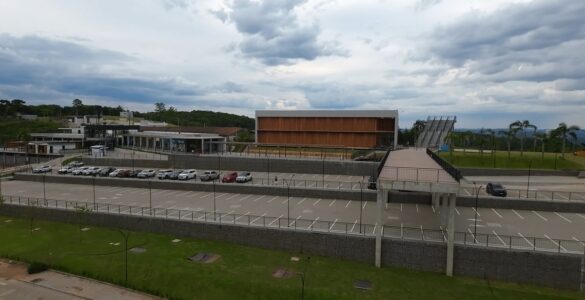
{"x":273,"y":34}
{"x":536,"y":41}
{"x":424,"y":4}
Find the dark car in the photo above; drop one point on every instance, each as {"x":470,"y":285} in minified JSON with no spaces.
{"x":174,"y":175}
{"x":372,"y":183}
{"x":123,"y":173}
{"x":496,"y":189}
{"x":134,"y":173}
{"x":105,"y":171}
{"x":230,"y":177}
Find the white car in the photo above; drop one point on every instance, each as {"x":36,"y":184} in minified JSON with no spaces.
{"x":42,"y":169}
{"x":244,"y":177}
{"x":209,"y":175}
{"x":66,"y":169}
{"x":164,"y":174}
{"x":79,"y":171}
{"x":146,"y":173}
{"x":187,"y":174}
{"x":91,"y":171}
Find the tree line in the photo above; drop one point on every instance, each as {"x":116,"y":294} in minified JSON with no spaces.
{"x":197,"y":118}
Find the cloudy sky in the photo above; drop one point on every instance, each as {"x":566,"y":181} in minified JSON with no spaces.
{"x":487,"y":62}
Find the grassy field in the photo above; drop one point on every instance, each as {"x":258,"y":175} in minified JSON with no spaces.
{"x":500,"y":160}
{"x":240,"y":273}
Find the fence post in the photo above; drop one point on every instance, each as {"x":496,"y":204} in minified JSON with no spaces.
{"x":166,"y":213}
{"x":534,"y":244}
{"x":510,"y":242}
{"x":559,"y":246}
{"x":248,"y":220}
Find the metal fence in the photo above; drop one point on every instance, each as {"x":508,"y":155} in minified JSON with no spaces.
{"x":394,"y":232}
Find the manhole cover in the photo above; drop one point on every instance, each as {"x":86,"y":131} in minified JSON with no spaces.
{"x":203,"y":257}
{"x":137,"y":250}
{"x":362,"y":284}
{"x":282,"y":273}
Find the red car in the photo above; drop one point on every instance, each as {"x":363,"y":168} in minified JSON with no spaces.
{"x":230,"y":177}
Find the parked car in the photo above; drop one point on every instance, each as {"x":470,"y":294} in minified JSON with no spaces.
{"x":42,"y":169}
{"x":66,"y":170}
{"x":188,"y":174}
{"x":105,"y":171}
{"x":209,"y":175}
{"x":123,"y":173}
{"x":175,"y":174}
{"x":76,"y":164}
{"x":146,"y":173}
{"x":230,"y":177}
{"x":134,"y":173}
{"x":164,"y":174}
{"x":496,"y":189}
{"x":244,"y":177}
{"x":372,"y":183}
{"x":91,"y":171}
{"x":114,"y":173}
{"x":79,"y":171}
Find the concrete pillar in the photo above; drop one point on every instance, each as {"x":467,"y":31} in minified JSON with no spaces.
{"x":444,"y":199}
{"x":435,"y":200}
{"x":380,"y":221}
{"x":451,"y":234}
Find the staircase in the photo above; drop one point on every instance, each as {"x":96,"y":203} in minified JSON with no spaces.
{"x":436,"y":131}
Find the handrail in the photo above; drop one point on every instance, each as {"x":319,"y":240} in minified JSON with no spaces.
{"x":454,"y":172}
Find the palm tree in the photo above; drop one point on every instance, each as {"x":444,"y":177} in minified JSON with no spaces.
{"x":522,"y":125}
{"x":564,"y":132}
{"x":510,"y":133}
{"x":417,"y":128}
{"x":540,"y":136}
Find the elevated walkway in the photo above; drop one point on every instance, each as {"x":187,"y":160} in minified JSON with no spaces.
{"x":436,"y":131}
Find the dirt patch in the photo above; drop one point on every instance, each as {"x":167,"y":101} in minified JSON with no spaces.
{"x":12,"y":270}
{"x":282,"y":273}
{"x":205,"y":258}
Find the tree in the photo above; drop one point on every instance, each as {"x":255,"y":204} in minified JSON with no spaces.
{"x":540,"y":136}
{"x":564,"y":132}
{"x":77,"y":104}
{"x":510,"y":133}
{"x":492,"y":134}
{"x":417,"y":128}
{"x":522,"y":126}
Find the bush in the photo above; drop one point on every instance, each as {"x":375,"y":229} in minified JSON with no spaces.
{"x":67,"y":161}
{"x":37,"y":267}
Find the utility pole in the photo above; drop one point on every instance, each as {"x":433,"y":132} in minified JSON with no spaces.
{"x":475,"y":219}
{"x":150,"y":196}
{"x":214,"y":209}
{"x":528,"y":182}
{"x":361,"y":202}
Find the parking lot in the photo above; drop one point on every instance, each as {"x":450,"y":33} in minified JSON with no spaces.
{"x":265,"y":208}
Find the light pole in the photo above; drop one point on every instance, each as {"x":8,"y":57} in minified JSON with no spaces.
{"x":214,"y":209}
{"x":126,"y":236}
{"x":528,"y":182}
{"x":323,"y":169}
{"x":268,"y":171}
{"x":94,"y":204}
{"x":150,"y":196}
{"x":303,"y":277}
{"x":44,"y":190}
{"x":475,"y":219}
{"x":361,"y":201}
{"x":287,"y":203}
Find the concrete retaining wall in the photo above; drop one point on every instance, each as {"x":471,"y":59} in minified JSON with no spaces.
{"x":199,"y":186}
{"x":252,"y":164}
{"x":515,"y":172}
{"x":554,"y":270}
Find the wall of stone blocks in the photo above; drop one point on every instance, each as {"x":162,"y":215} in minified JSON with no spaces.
{"x":553,"y":270}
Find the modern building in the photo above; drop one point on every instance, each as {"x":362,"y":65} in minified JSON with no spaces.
{"x":164,"y":141}
{"x":331,"y":128}
{"x":228,"y":132}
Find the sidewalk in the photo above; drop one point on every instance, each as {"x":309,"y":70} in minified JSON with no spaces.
{"x":15,"y":283}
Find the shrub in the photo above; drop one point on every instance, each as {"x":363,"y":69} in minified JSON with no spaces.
{"x":37,"y":267}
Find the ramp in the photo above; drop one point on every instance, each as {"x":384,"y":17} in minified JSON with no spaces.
{"x":436,"y":131}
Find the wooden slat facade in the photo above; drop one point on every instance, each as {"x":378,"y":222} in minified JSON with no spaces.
{"x":331,"y":131}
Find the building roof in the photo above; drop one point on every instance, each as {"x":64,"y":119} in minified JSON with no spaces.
{"x":330,"y":113}
{"x":175,"y":135}
{"x":223,"y":131}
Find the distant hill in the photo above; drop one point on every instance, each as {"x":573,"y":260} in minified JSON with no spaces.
{"x":201,"y":118}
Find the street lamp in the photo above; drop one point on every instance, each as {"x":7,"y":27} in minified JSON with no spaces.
{"x":361,"y":201}
{"x":268,"y":171}
{"x":323,"y":169}
{"x":94,"y":204}
{"x":150,"y":196}
{"x":214,"y":209}
{"x":44,"y":190}
{"x":288,"y":199}
{"x":475,"y":219}
{"x":126,"y":236}
{"x":528,"y":182}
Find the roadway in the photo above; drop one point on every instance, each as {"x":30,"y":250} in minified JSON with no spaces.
{"x":335,"y":212}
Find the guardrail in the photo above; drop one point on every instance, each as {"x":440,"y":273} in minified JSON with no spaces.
{"x":454,"y":172}
{"x":394,"y":232}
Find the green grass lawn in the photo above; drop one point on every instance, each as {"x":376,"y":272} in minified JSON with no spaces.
{"x":240,"y":273}
{"x":501,"y":160}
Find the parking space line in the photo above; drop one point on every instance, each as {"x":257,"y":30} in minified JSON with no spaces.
{"x":311,"y":226}
{"x":332,"y":202}
{"x":232,"y":196}
{"x":499,"y":238}
{"x":252,"y":222}
{"x":331,"y":227}
{"x":205,"y":196}
{"x":302,"y":200}
{"x":242,"y":199}
{"x":273,"y":198}
{"x":476,"y":211}
{"x":519,"y":215}
{"x":562,"y":217}
{"x":229,"y":213}
{"x":294,"y":221}
{"x":242,"y":216}
{"x":580,"y":195}
{"x":577,"y":240}
{"x":496,"y":212}
{"x":471,"y":232}
{"x":580,"y":215}
{"x":433,"y":207}
{"x":531,"y":244}
{"x":257,"y":199}
{"x":365,"y":203}
{"x":348,"y":202}
{"x":466,"y":192}
{"x":269,"y":224}
{"x":543,"y":218}
{"x":457,"y":211}
{"x":285,"y":200}
{"x":562,"y":196}
{"x":352,"y":227}
{"x":554,"y":242}
{"x":416,"y":208}
{"x":376,"y":225}
{"x":316,"y":202}
{"x":400,"y":207}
